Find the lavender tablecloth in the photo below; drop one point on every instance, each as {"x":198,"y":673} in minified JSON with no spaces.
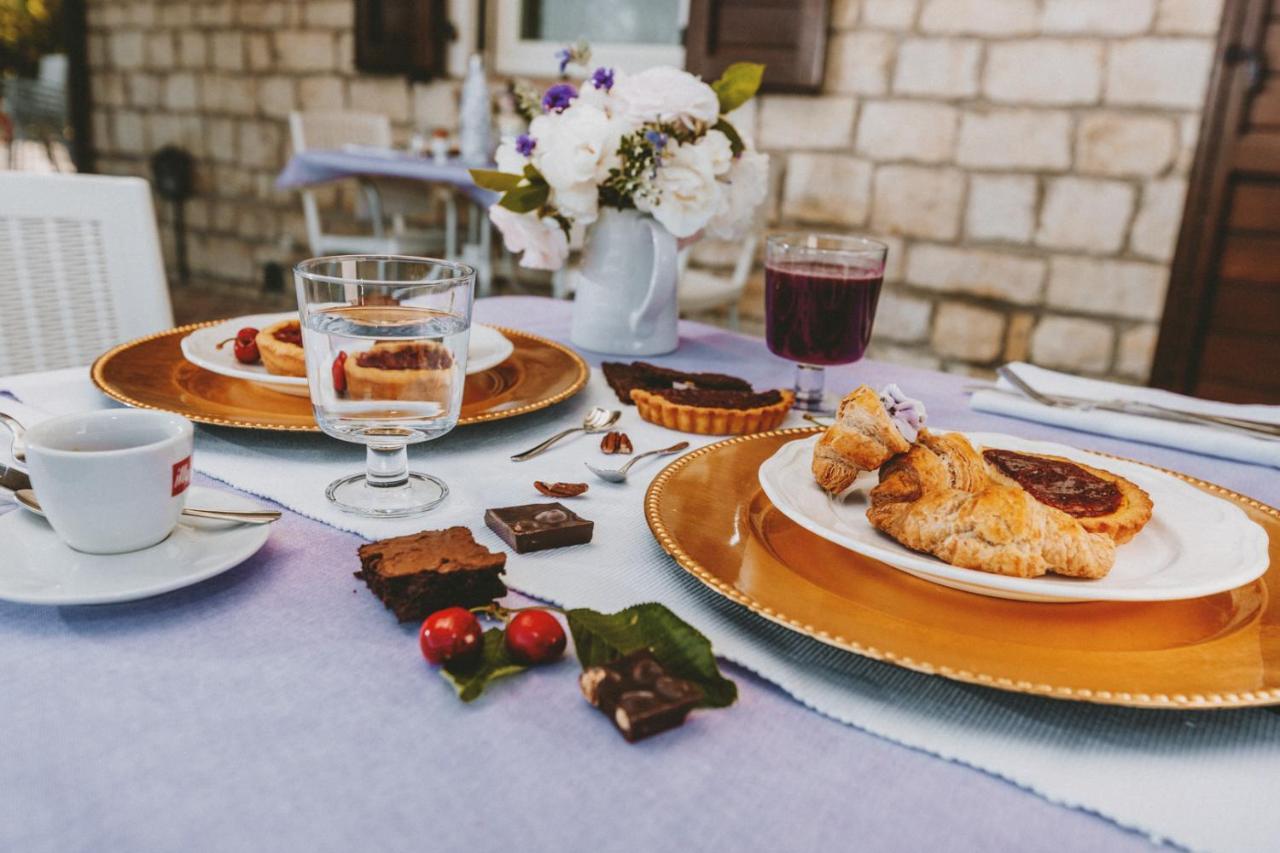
{"x":314,"y":167}
{"x":279,"y":707}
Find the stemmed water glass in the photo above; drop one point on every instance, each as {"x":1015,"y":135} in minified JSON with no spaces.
{"x":821,"y":292}
{"x":386,"y":339}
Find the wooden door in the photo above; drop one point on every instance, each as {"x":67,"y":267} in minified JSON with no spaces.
{"x":1220,"y":337}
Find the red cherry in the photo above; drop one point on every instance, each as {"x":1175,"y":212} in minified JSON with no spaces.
{"x":535,"y":636}
{"x":246,"y":335}
{"x":450,"y":635}
{"x":246,"y":351}
{"x":340,"y":373}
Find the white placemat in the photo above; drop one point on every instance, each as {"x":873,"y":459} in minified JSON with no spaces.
{"x":1202,"y":780}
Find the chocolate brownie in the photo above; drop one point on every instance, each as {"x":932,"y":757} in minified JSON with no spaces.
{"x":623,"y":377}
{"x":638,"y":694}
{"x":416,"y":575}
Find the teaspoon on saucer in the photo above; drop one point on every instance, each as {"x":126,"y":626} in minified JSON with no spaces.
{"x":27,"y":499}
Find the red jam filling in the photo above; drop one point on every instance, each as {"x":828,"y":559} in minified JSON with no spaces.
{"x":412,"y":357}
{"x":291,"y":334}
{"x":1058,"y":484}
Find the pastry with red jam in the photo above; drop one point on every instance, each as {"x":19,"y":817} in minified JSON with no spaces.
{"x":411,"y":370}
{"x":280,"y":346}
{"x":1101,"y":501}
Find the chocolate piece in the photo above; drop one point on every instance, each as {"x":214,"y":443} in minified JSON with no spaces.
{"x":636,"y":692}
{"x":416,"y":575}
{"x":703,"y":398}
{"x":623,"y":377}
{"x":536,"y":527}
{"x":1058,"y":483}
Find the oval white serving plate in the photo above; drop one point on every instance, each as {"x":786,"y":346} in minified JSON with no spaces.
{"x":487,"y":348}
{"x":1195,"y":544}
{"x":39,"y":569}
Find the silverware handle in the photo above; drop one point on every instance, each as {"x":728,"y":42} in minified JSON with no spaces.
{"x":659,"y":452}
{"x":1229,"y":424}
{"x":18,"y":448}
{"x":265,"y":516}
{"x":539,"y":448}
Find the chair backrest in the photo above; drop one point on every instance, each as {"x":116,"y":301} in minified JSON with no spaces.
{"x":80,"y":269}
{"x":316,"y":131}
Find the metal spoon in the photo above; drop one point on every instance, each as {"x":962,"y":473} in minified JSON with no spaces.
{"x":27,"y":499}
{"x":18,"y":447}
{"x":597,"y":420}
{"x":620,"y":475}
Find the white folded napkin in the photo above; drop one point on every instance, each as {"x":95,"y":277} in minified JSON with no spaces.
{"x":1205,"y":440}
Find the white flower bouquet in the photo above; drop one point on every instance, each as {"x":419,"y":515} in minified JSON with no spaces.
{"x":657,"y":141}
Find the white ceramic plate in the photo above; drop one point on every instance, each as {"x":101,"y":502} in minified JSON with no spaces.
{"x":38,"y":569}
{"x":487,"y":348}
{"x":1195,"y":544}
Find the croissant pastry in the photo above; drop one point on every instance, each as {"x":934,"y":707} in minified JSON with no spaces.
{"x":863,"y":438}
{"x":939,"y":498}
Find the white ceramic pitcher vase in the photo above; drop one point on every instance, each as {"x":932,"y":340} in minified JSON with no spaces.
{"x":626,"y":287}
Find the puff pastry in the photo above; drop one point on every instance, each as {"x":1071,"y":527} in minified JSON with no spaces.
{"x":939,"y":498}
{"x":863,"y":438}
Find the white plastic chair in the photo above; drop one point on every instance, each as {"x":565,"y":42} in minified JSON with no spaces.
{"x":312,"y":131}
{"x":703,"y":290}
{"x":80,"y":269}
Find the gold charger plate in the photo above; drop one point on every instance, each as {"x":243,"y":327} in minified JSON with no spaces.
{"x":1221,"y":651}
{"x":151,"y":373}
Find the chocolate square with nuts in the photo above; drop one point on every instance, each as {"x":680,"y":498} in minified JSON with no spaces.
{"x":637,"y":693}
{"x":536,"y":527}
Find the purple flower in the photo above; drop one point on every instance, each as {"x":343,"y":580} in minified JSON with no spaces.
{"x":558,"y":97}
{"x":525,"y":144}
{"x":565,"y":55}
{"x":656,"y":138}
{"x":602,"y":78}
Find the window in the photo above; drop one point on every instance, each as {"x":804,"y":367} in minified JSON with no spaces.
{"x":627,"y":34}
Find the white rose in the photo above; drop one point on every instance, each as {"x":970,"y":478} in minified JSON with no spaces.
{"x":578,"y":202}
{"x":572,"y":146}
{"x":541,"y":240}
{"x":665,"y":94}
{"x":716,"y":148}
{"x":509,"y":160}
{"x":685,"y":192}
{"x":742,"y":191}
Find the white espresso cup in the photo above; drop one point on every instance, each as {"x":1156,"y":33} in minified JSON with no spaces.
{"x":111,"y":481}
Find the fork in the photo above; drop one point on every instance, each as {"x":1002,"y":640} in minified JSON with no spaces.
{"x":1254,"y":429}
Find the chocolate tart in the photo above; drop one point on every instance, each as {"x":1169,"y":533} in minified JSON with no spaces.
{"x":413,"y":370}
{"x":280,"y":346}
{"x":707,"y":411}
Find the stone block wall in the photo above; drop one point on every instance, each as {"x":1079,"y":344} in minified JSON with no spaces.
{"x":1025,"y":160}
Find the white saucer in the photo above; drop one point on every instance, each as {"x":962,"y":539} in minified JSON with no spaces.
{"x":38,"y":569}
{"x":487,"y":348}
{"x":1195,"y":544}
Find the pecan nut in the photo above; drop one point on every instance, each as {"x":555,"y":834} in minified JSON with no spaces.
{"x":560,"y":490}
{"x":615,"y":442}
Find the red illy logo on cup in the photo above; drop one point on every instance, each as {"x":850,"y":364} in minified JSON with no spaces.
{"x":181,"y":476}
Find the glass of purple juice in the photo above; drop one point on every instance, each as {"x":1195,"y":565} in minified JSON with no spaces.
{"x":820,"y":295}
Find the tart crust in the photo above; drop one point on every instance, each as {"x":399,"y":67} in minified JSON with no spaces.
{"x":381,"y":383}
{"x":709,"y":420}
{"x":281,"y":357}
{"x":1121,"y":524}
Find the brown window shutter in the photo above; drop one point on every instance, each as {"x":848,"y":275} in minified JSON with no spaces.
{"x":402,"y":37}
{"x":788,"y":36}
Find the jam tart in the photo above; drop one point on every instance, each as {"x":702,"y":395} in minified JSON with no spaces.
{"x":280,"y":346}
{"x":414,"y":370}
{"x":707,"y":411}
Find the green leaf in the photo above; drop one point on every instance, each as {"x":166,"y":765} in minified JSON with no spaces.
{"x":526,"y":197}
{"x":738,"y":84}
{"x":494,"y":662}
{"x":603,"y":637}
{"x":533,"y":175}
{"x":491,"y":179}
{"x":736,"y":145}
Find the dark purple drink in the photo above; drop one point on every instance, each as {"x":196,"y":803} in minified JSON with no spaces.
{"x":819,"y":313}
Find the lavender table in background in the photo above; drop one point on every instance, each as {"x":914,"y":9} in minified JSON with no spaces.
{"x":280,"y":707}
{"x":315,"y":167}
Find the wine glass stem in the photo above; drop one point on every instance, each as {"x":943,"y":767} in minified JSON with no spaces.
{"x":810,"y":381}
{"x":387,"y":466}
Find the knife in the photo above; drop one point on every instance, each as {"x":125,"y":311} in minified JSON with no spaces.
{"x":13,"y":479}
